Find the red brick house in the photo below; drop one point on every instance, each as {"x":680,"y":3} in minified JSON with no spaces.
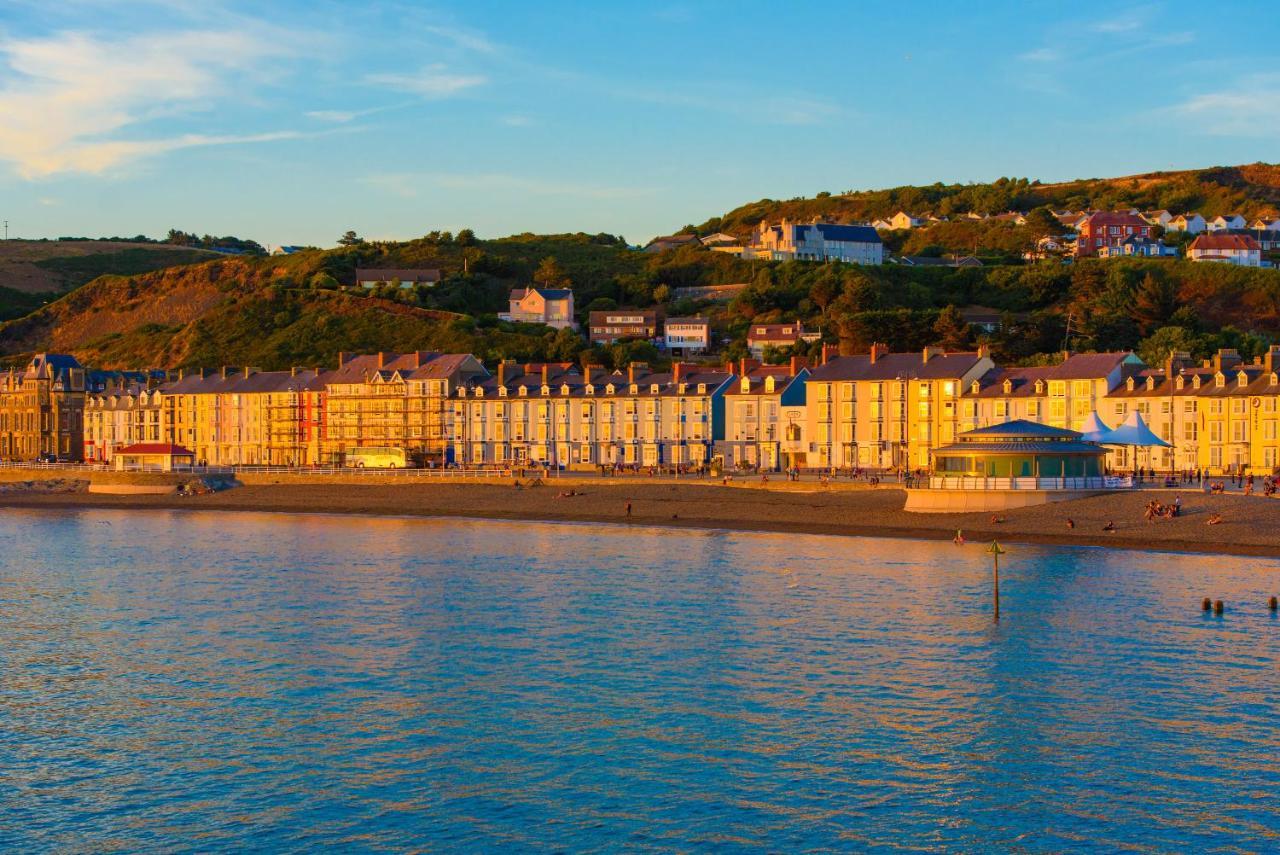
{"x":1109,"y":228}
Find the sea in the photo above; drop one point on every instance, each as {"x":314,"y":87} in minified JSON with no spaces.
{"x":176,"y":681}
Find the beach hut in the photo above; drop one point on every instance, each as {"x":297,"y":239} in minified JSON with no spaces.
{"x":154,"y":456}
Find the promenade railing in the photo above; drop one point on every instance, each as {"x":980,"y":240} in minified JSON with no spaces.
{"x":971,"y":482}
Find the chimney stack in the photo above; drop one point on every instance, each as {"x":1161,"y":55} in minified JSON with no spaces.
{"x":931,"y":352}
{"x":342,"y":358}
{"x":382,"y":359}
{"x":676,"y":372}
{"x":586,"y":374}
{"x":224,"y":372}
{"x":984,"y":351}
{"x":634,"y":370}
{"x":828,"y":351}
{"x":546,"y":373}
{"x":503,"y":370}
{"x":746,"y":366}
{"x":1225,"y":358}
{"x":1270,"y":360}
{"x":798,"y":363}
{"x":293,"y":372}
{"x":878,"y":350}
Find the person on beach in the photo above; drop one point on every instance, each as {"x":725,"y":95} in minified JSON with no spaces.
{"x":996,"y":520}
{"x":1110,"y":526}
{"x":1216,"y":519}
{"x":1071,"y":524}
{"x":958,"y":540}
{"x":628,"y":509}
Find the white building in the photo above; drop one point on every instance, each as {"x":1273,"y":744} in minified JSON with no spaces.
{"x":1190,"y":223}
{"x":687,"y":335}
{"x":1240,"y":250}
{"x":408,"y":278}
{"x":550,"y":306}
{"x":818,"y":242}
{"x":1222,"y":222}
{"x":903,"y":220}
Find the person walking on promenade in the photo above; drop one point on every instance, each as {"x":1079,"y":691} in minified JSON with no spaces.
{"x":628,"y":509}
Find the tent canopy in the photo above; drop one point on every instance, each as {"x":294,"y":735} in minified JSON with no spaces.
{"x":1133,"y":432}
{"x":1095,"y":429}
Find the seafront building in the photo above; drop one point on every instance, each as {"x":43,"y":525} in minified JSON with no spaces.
{"x":877,"y":410}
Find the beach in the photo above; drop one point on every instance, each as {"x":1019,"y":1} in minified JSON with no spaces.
{"x":1250,"y":525}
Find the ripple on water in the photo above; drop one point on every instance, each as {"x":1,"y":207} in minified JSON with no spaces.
{"x":214,"y":682}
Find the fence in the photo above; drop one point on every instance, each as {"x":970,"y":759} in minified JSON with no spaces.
{"x":965,"y":482}
{"x":280,"y":470}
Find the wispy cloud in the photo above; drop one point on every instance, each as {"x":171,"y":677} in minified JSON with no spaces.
{"x":1044,"y":54}
{"x":434,"y":81}
{"x":1248,"y":107}
{"x":411,"y":184}
{"x":72,"y":96}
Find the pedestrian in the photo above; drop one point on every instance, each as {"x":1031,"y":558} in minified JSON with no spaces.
{"x":628,"y":509}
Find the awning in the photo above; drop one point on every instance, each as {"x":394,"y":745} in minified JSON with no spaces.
{"x":1134,"y":432}
{"x":1095,"y":429}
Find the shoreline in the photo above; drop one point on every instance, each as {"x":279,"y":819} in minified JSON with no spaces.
{"x":1252,"y":528}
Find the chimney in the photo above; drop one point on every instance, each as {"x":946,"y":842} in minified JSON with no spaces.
{"x":676,"y":372}
{"x":635,"y":369}
{"x":878,"y":350}
{"x":1270,"y":359}
{"x":798,"y":363}
{"x":746,"y":366}
{"x":382,"y":359}
{"x":586,"y":374}
{"x":984,"y":351}
{"x":293,"y":372}
{"x":1225,"y":358}
{"x":181,"y":373}
{"x":503,"y":370}
{"x":224,"y":372}
{"x":931,"y":352}
{"x":546,"y":373}
{"x":828,"y":351}
{"x":342,"y":358}
{"x":246,"y":372}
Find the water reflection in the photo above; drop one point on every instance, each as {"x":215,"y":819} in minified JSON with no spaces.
{"x":176,"y":680}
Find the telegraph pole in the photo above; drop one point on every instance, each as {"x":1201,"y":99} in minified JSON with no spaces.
{"x":6,"y":229}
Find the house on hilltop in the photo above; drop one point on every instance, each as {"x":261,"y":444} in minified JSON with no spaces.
{"x":817,"y":242}
{"x":372,"y":277}
{"x":1240,"y":250}
{"x":1110,"y":229}
{"x":550,"y":306}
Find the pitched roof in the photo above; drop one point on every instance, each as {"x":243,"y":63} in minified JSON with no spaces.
{"x":156,"y":448}
{"x":1116,"y":218}
{"x":891,"y":366}
{"x":852,"y":234}
{"x":1224,"y":242}
{"x":1021,"y":428}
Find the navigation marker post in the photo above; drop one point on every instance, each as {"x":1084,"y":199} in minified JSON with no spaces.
{"x":996,"y":551}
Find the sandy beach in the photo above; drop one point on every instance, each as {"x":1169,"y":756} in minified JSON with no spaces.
{"x":1251,"y":525}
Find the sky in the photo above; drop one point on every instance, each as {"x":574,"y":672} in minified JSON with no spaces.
{"x":291,"y":122}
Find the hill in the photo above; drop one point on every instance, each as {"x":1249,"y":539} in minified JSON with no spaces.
{"x":1251,"y":190}
{"x":33,"y":272}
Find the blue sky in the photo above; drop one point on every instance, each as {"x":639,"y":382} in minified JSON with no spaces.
{"x":291,"y":122}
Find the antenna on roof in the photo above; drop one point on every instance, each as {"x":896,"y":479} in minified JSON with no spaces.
{"x":1066,"y":337}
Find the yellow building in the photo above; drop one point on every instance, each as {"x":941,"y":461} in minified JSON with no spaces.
{"x":883,"y":410}
{"x":765,"y":416}
{"x":553,"y":415}
{"x":42,"y":409}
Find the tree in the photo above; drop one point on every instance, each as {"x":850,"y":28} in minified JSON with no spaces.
{"x":951,"y":329}
{"x":550,"y":274}
{"x":1042,"y":223}
{"x":1155,"y":348}
{"x":350,"y":238}
{"x":465,"y":237}
{"x":1154,"y":302}
{"x":661,"y":294}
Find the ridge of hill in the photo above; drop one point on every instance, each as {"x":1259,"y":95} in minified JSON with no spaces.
{"x":1250,"y":190}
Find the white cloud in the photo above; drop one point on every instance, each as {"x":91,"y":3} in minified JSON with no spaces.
{"x":332,"y":115}
{"x":71,"y":95}
{"x":1044,"y":54}
{"x":434,"y":81}
{"x":1249,"y":107}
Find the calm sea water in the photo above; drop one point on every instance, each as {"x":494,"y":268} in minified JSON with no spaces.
{"x":187,"y":681}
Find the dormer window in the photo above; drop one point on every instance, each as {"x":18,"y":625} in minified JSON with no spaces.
{"x":564,"y":388}
{"x":1274,"y":378}
{"x":653,"y":388}
{"x":502,"y":391}
{"x":768,"y":384}
{"x":522,"y":391}
{"x":1195,"y":382}
{"x":609,"y":390}
{"x":590,"y":389}
{"x":974,"y":387}
{"x":1219,"y":380}
{"x":702,"y":388}
{"x":1008,"y":386}
{"x":1039,"y":387}
{"x":1129,"y":384}
{"x":1151,"y":383}
{"x":682,"y":387}
{"x":545,"y":390}
{"x":1242,"y":379}
{"x":1179,"y":383}
{"x":745,"y":385}
{"x":634,"y":388}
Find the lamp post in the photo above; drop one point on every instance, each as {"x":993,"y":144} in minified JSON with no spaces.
{"x":996,"y":551}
